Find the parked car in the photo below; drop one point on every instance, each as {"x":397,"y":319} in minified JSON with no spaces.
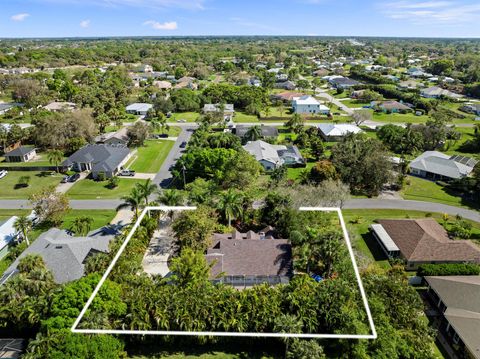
{"x":3,"y":173}
{"x":74,"y":177}
{"x":183,"y":144}
{"x":65,"y":179}
{"x":182,"y":120}
{"x":127,"y":173}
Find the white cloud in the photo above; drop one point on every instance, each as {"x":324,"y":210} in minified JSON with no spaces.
{"x":432,"y":12}
{"x":85,"y":23}
{"x":20,"y":17}
{"x":168,"y":25}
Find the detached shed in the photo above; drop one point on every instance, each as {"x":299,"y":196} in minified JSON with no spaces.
{"x":21,"y":154}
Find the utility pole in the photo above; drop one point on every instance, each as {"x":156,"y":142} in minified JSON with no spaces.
{"x":183,"y":171}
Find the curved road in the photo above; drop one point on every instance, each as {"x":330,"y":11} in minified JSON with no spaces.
{"x":351,"y":204}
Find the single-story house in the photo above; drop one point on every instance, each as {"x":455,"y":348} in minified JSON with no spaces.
{"x":321,"y":72}
{"x":410,"y":85}
{"x":162,"y":85}
{"x":473,"y":108}
{"x":5,"y":107}
{"x":439,"y":166}
{"x":228,"y":110}
{"x":287,"y":96}
{"x":273,"y":156}
{"x":457,"y":300}
{"x":139,"y":108}
{"x":107,"y":159}
{"x":57,"y":106}
{"x":186,"y":84}
{"x":286,"y":85}
{"x":390,"y":106}
{"x":265,"y":131}
{"x":308,"y":105}
{"x":422,"y":241}
{"x":114,"y":138}
{"x":246,"y":259}
{"x":65,"y":255}
{"x":21,"y":154}
{"x":436,"y":92}
{"x":7,"y":235}
{"x":144,"y":68}
{"x":334,"y":132}
{"x":342,"y":82}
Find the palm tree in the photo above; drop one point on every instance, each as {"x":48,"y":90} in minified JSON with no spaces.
{"x":288,"y":324}
{"x":230,"y":205}
{"x":82,"y":225}
{"x":170,"y":197}
{"x":253,"y":133}
{"x":23,"y":225}
{"x":55,"y":157}
{"x":133,"y":201}
{"x":146,"y":189}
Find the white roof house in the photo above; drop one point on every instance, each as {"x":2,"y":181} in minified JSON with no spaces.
{"x":305,"y":100}
{"x":7,"y":234}
{"x":384,"y":237}
{"x":436,"y":164}
{"x":435,"y":92}
{"x":330,"y":130}
{"x":139,"y":108}
{"x":273,"y":156}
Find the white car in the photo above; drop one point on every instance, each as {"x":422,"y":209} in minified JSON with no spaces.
{"x":3,"y":173}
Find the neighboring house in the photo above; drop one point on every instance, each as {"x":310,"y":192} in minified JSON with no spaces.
{"x":273,"y":156}
{"x":254,"y":82}
{"x":60,"y":106}
{"x":246,"y":259}
{"x":334,"y":132}
{"x":471,"y":108}
{"x":20,"y":154}
{"x":7,"y":235}
{"x":410,"y":85}
{"x":139,"y":108}
{"x":65,"y":255}
{"x":457,"y":300}
{"x":107,"y":159}
{"x":287,"y":96}
{"x":144,"y":68}
{"x":228,"y":110}
{"x":186,"y":84}
{"x":286,"y":85}
{"x":436,"y":92}
{"x":342,"y":82}
{"x":390,"y":106}
{"x":308,"y":105}
{"x":162,"y":85}
{"x":265,"y":131}
{"x":114,"y":138}
{"x":320,"y":72}
{"x":439,"y":166}
{"x":5,"y":107}
{"x":422,"y":241}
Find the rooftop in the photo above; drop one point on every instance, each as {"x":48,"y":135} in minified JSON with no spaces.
{"x":20,"y":151}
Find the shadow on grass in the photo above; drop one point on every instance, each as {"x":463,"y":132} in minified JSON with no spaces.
{"x":374,"y":247}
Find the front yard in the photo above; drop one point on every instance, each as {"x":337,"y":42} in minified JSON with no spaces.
{"x":10,"y":188}
{"x":90,"y":189}
{"x":150,"y":157}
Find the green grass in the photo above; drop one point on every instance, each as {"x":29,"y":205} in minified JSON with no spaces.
{"x":243,"y":117}
{"x":90,"y":189}
{"x":150,"y":157}
{"x":40,"y":160}
{"x":188,"y":116}
{"x":424,"y":190}
{"x":399,"y":118}
{"x":38,"y":180}
{"x":353,"y":103}
{"x":294,"y":173}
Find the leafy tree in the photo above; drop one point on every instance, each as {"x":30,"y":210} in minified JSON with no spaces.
{"x":194,"y":229}
{"x":321,"y":171}
{"x":50,"y":205}
{"x":253,"y":133}
{"x":102,"y":121}
{"x":361,"y":116}
{"x":185,"y":100}
{"x":138,"y":133}
{"x":278,"y":174}
{"x":82,"y":225}
{"x":200,"y":191}
{"x":113,"y":182}
{"x":190,"y":269}
{"x":296,"y":123}
{"x":170,"y":197}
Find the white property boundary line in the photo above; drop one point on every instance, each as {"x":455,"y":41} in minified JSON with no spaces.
{"x":373,"y":334}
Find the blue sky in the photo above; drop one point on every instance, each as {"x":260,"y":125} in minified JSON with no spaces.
{"x":415,"y":18}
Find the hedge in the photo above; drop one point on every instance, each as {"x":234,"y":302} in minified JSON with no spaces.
{"x":448,"y":269}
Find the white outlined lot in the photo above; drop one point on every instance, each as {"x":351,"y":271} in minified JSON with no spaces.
{"x":373,"y":334}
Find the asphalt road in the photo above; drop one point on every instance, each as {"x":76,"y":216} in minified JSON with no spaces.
{"x":351,"y":204}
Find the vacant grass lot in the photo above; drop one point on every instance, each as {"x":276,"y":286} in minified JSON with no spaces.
{"x":399,"y":118}
{"x":354,"y":104}
{"x":187,"y":116}
{"x":38,"y":180}
{"x":424,"y":190}
{"x":90,"y":189}
{"x":150,"y":157}
{"x":243,"y":117}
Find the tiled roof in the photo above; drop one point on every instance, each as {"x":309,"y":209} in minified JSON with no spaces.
{"x":20,"y":151}
{"x":103,"y":157}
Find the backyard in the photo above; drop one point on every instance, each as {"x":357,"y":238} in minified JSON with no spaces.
{"x":90,"y":189}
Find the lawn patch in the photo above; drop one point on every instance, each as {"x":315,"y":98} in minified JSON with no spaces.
{"x":150,"y":157}
{"x":10,"y":189}
{"x":90,"y":189}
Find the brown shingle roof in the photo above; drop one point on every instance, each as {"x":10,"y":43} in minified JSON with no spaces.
{"x":246,"y":254}
{"x":425,"y":240}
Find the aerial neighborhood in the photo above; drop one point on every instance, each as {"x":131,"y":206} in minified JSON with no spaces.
{"x":203,"y":164}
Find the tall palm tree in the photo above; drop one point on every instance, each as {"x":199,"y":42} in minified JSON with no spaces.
{"x":82,"y":225}
{"x":23,"y":225}
{"x":146,"y":189}
{"x":230,"y":205}
{"x":170,"y":197}
{"x":55,"y":157}
{"x":133,"y":201}
{"x":253,"y":133}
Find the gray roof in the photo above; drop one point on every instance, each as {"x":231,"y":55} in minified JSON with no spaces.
{"x":20,"y":151}
{"x":461,"y":296}
{"x":266,"y":131}
{"x":103,"y":157}
{"x":213,"y":107}
{"x":442,"y":164}
{"x":64,"y":254}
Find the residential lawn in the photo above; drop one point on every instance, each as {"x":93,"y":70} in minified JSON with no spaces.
{"x":420,"y":189}
{"x":90,"y":189}
{"x":40,"y":160}
{"x":275,"y":111}
{"x":188,"y":116}
{"x":294,"y":173}
{"x":354,"y":104}
{"x":38,"y":180}
{"x":150,"y":157}
{"x":399,"y":118}
{"x":458,"y":146}
{"x":243,"y":117}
